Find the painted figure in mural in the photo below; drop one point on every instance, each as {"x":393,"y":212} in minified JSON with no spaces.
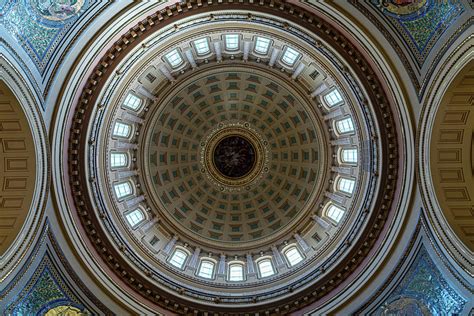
{"x":58,"y":10}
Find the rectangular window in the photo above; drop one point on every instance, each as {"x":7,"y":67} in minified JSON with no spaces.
{"x":333,"y":98}
{"x":293,"y":256}
{"x":265,"y":268}
{"x":174,"y":58}
{"x":335,"y":213}
{"x":121,"y":130}
{"x":118,"y":160}
{"x":345,"y":126}
{"x":135,"y":217}
{"x":290,"y":56}
{"x":178,"y":258}
{"x":231,"y":42}
{"x":122,"y":189}
{"x":206,"y":270}
{"x":346,"y":185}
{"x":349,"y":155}
{"x":236,"y":272}
{"x":262,"y":45}
{"x":202,"y":46}
{"x":132,"y":102}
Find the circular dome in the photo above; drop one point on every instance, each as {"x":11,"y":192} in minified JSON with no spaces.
{"x":220,"y":154}
{"x":233,"y":155}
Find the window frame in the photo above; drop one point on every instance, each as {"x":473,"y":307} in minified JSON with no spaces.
{"x":126,"y":159}
{"x":167,"y":58}
{"x":118,"y":123}
{"x":337,"y":123}
{"x":196,"y":49}
{"x":132,"y":95}
{"x":213,"y":273}
{"x":286,"y":50}
{"x":287,"y":259}
{"x":343,"y":179}
{"x":123,"y":197}
{"x":331,"y":91}
{"x":260,"y":261}
{"x":176,"y":250}
{"x":334,"y":220}
{"x":256,"y":39}
{"x":226,"y":48}
{"x":349,"y":162}
{"x":229,"y":269}
{"x":136,"y":224}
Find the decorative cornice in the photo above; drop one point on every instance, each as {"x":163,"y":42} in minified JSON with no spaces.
{"x":293,"y":299}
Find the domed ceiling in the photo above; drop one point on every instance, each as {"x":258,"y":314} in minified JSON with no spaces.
{"x":233,"y":155}
{"x":218,"y":155}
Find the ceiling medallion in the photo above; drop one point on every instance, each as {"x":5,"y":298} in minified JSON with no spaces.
{"x":234,"y":156}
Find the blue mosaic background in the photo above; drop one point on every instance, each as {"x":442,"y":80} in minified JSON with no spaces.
{"x":422,"y":26}
{"x":46,"y":290}
{"x":422,"y":291}
{"x":39,"y":26}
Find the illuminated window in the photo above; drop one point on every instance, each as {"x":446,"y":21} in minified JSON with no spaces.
{"x":335,"y":213}
{"x":174,"y":58}
{"x":265,"y":267}
{"x":349,"y":155}
{"x":121,"y":130}
{"x":178,"y":258}
{"x":345,"y":185}
{"x":132,"y":102}
{"x":135,"y":217}
{"x":262,"y":45}
{"x":122,"y":189}
{"x":202,"y":46}
{"x":236,"y":272}
{"x":345,"y":126}
{"x":118,"y":160}
{"x":232,"y":42}
{"x":333,"y":97}
{"x":290,"y":56}
{"x":206,"y":269}
{"x":293,"y":256}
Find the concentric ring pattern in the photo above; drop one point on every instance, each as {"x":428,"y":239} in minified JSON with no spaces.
{"x":223,"y":96}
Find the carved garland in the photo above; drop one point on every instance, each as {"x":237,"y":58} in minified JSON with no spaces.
{"x":78,"y":144}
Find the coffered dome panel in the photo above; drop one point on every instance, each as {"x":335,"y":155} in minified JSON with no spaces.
{"x":233,"y":149}
{"x":234,"y":101}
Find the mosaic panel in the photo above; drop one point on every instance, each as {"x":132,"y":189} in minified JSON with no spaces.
{"x":46,"y":290}
{"x":40,"y":25}
{"x":420,"y":23}
{"x":422,"y":291}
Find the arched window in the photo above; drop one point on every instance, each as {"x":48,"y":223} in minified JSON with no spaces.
{"x":174,"y":58}
{"x":122,"y":130}
{"x":231,"y":42}
{"x":345,"y":126}
{"x":345,"y":185}
{"x":206,"y":269}
{"x":293,"y":256}
{"x":236,"y":272}
{"x":132,"y":102}
{"x":135,"y":217}
{"x":265,"y":268}
{"x":349,"y":155}
{"x":333,"y":98}
{"x":262,"y":45}
{"x":178,"y":258}
{"x":335,"y":213}
{"x":118,"y":160}
{"x":202,"y":46}
{"x":290,"y":56}
{"x":123,"y":189}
